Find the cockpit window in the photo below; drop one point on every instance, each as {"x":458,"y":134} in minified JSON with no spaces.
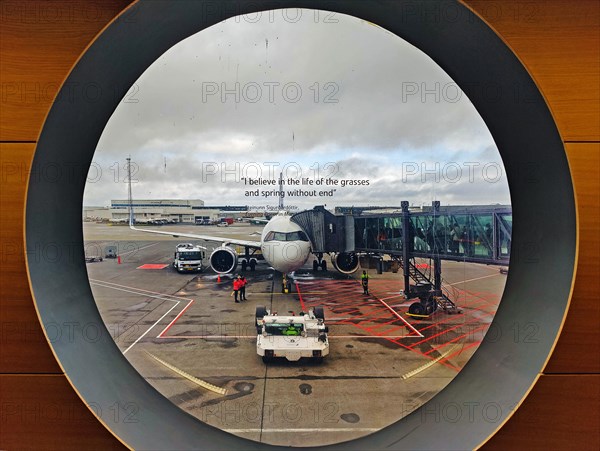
{"x":296,"y":236}
{"x":290,"y":236}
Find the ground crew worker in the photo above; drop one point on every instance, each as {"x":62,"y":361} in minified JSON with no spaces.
{"x":243,"y":288}
{"x":237,"y":285}
{"x":364,"y":280}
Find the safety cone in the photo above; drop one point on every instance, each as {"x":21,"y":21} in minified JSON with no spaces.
{"x":118,"y":259}
{"x":218,"y":278}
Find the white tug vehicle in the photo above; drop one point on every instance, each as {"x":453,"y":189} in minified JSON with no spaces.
{"x":291,"y":337}
{"x":188,"y":257}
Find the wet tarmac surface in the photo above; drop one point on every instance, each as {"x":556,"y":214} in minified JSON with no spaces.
{"x":383,"y":364}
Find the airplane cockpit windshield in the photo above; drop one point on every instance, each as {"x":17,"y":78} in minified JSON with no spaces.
{"x":289,"y":236}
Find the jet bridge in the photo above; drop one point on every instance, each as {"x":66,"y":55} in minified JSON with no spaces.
{"x":476,"y":234}
{"x":327,"y":232}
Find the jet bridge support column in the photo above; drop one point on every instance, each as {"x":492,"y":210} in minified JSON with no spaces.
{"x":437,"y":261}
{"x":406,"y":254}
{"x":437,"y":275}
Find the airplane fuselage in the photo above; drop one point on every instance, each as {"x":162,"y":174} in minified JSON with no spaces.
{"x":284,"y":244}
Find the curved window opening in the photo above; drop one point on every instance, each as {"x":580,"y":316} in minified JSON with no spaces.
{"x":362,"y":135}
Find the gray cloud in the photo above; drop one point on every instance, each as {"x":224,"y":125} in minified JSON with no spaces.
{"x":358,"y":107}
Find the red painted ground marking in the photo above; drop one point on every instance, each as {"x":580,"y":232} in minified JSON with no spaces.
{"x":395,"y":313}
{"x":235,"y":337}
{"x":459,"y":338}
{"x":388,"y":332}
{"x":302,"y":306}
{"x":448,"y":319}
{"x":371,"y":312}
{"x":421,"y":353}
{"x":452,"y":317}
{"x":152,"y":266}
{"x":355,"y":298}
{"x":395,"y":328}
{"x":482,"y":300}
{"x":468,"y":300}
{"x":475,"y":305}
{"x":445,"y":331}
{"x":385,"y":324}
{"x":161,"y":335}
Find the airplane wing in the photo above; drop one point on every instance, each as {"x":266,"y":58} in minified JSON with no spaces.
{"x":256,"y":220}
{"x":247,"y":243}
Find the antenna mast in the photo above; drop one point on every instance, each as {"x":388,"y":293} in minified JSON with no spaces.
{"x":129,"y":196}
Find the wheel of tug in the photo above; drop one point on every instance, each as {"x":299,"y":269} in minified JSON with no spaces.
{"x":319,"y":313}
{"x":416,"y":308}
{"x":261,"y":312}
{"x":429,"y":307}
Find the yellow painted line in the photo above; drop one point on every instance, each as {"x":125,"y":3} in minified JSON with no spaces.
{"x":417,"y":316}
{"x":428,"y":364}
{"x":195,"y":380}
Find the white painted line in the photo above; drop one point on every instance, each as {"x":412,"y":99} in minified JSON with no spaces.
{"x":176,"y":318}
{"x":419,"y":335}
{"x":137,"y":289}
{"x":150,"y":328}
{"x":310,"y":430}
{"x":392,"y":297}
{"x":476,"y":278}
{"x":136,"y":250}
{"x":164,"y":297}
{"x":141,"y":292}
{"x":223,"y":337}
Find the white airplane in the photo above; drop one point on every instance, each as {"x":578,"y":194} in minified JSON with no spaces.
{"x":283,"y":243}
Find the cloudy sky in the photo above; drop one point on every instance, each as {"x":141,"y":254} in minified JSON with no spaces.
{"x":316,"y":95}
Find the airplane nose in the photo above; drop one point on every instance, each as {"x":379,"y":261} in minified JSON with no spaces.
{"x":293,"y":252}
{"x":286,"y":256}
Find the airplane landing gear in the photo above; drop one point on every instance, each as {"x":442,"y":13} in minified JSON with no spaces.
{"x":319,"y":263}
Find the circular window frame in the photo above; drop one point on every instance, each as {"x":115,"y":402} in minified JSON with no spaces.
{"x":544,"y":242}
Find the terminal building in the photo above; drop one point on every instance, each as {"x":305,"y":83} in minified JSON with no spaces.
{"x":186,"y":211}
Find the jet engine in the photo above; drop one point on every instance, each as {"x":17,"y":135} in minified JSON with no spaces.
{"x":223,"y":260}
{"x":345,"y":262}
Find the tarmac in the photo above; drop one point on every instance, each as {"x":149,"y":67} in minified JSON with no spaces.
{"x":189,"y":339}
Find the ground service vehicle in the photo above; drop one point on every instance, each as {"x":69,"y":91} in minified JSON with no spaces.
{"x":202,"y":220}
{"x":188,"y":257}
{"x":291,"y":337}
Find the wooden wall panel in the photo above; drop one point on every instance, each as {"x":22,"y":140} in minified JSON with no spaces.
{"x":44,"y":413}
{"x":40,"y":41}
{"x":558,"y":42}
{"x":578,"y":350}
{"x":23,"y":347}
{"x":561,"y":413}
